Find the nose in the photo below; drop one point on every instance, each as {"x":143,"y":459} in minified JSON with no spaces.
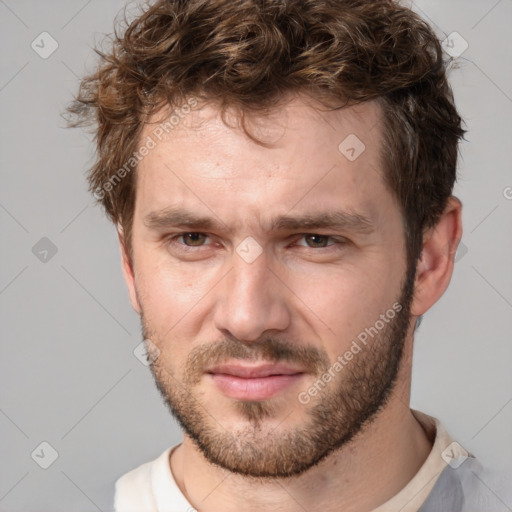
{"x":251,"y":301}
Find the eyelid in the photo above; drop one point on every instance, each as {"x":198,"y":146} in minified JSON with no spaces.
{"x":174,"y":238}
{"x":336,"y":239}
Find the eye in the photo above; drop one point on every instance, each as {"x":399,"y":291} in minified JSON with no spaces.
{"x":191,"y":239}
{"x":188,"y":241}
{"x":315,"y":241}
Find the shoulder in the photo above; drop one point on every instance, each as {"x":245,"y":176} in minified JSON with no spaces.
{"x":133,"y":490}
{"x":469,"y":487}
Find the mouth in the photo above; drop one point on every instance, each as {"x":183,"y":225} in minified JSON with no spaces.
{"x":253,"y":381}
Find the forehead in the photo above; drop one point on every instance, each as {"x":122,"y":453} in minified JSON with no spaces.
{"x":299,"y":119}
{"x":311,"y":159}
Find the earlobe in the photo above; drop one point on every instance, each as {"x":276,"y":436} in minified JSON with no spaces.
{"x":435,"y":266}
{"x":128,"y":271}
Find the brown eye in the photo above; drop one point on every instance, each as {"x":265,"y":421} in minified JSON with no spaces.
{"x":193,"y":239}
{"x":317,"y":240}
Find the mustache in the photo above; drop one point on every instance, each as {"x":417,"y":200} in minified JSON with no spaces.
{"x":309,"y":358}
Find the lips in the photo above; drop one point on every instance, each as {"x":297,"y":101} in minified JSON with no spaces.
{"x":252,"y":372}
{"x":254,"y":382}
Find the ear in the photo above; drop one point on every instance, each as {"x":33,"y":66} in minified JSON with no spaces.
{"x":128,"y":272}
{"x":435,"y":266}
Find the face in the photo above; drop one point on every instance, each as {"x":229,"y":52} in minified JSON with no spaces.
{"x":272,"y":280}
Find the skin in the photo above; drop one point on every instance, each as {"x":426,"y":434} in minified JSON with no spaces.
{"x":209,"y":294}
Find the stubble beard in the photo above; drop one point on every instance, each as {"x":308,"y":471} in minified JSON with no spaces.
{"x":341,"y":410}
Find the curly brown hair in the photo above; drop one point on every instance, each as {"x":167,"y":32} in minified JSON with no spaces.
{"x":249,"y":54}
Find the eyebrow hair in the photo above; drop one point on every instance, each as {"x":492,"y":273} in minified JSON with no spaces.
{"x":338,"y":220}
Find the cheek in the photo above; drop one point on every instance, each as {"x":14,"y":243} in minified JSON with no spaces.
{"x":343,"y":302}
{"x":170,"y":293}
{"x":166,"y":300}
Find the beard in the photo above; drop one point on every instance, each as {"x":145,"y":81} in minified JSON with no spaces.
{"x":340,"y":411}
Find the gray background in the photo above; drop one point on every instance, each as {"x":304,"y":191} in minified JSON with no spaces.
{"x":68,"y":375}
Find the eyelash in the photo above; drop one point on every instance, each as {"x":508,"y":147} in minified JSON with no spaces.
{"x":172,"y":240}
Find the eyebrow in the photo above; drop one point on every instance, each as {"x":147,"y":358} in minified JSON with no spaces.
{"x":337,"y":220}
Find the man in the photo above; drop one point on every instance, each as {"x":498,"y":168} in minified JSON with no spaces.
{"x":280,"y":173}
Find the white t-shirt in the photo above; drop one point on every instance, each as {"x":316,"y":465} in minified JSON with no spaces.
{"x":151,"y":487}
